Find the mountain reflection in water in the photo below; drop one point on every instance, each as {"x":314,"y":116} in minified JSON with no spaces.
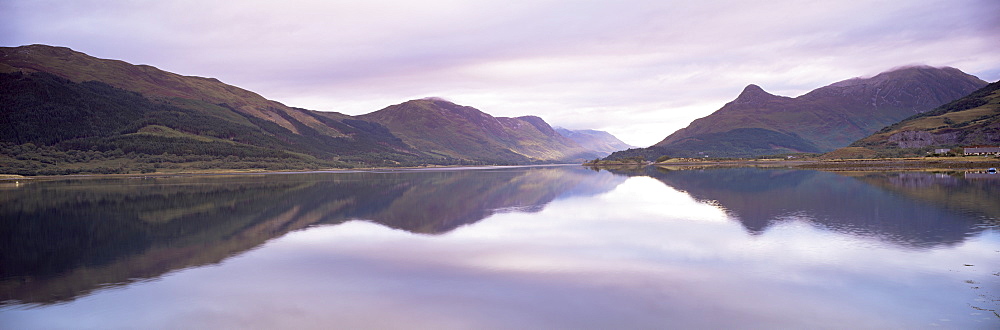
{"x":917,"y":210}
{"x":65,"y":238}
{"x":530,"y":247}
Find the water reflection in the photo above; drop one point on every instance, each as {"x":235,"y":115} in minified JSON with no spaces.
{"x":970,"y":194}
{"x":66,"y":238}
{"x":581,"y":249}
{"x":918,"y":210}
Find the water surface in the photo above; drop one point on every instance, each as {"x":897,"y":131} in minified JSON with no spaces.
{"x":535,"y":247}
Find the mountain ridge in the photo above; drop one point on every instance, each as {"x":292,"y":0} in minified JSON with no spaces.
{"x":473,"y":132}
{"x":828,"y":117}
{"x":147,"y":80}
{"x":196,"y":121}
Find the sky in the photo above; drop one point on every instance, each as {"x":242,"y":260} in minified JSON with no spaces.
{"x":639,"y":69}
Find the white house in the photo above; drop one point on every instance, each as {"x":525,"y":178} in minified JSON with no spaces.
{"x":979,"y":151}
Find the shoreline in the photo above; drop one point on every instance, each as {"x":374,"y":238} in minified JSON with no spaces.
{"x":851,"y":165}
{"x":903,"y":164}
{"x":223,"y":172}
{"x":840,"y":165}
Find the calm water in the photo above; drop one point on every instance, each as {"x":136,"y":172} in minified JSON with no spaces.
{"x":533,"y":247}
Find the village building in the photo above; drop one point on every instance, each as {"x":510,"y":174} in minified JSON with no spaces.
{"x":982,"y":150}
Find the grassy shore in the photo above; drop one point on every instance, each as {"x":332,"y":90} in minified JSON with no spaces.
{"x":851,"y":165}
{"x":910,"y":164}
{"x":882,"y":164}
{"x":193,"y":172}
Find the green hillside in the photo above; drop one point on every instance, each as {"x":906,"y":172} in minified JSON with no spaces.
{"x":56,"y":101}
{"x":48,"y":121}
{"x":65,"y":112}
{"x":971,"y":120}
{"x":154,"y":83}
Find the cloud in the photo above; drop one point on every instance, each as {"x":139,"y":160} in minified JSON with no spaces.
{"x":661,"y":63}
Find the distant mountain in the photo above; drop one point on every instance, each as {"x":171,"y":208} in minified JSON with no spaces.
{"x":601,"y":142}
{"x":831,"y":117}
{"x":54,"y":101}
{"x":971,"y":120}
{"x":447,"y":129}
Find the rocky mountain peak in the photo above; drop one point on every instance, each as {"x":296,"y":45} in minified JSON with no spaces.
{"x":753,"y":94}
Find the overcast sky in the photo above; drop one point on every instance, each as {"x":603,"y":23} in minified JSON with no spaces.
{"x":638,"y":69}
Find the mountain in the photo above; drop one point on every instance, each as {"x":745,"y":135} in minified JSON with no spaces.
{"x":447,"y":129}
{"x":827,"y":118}
{"x":55,"y":100}
{"x":971,"y":120}
{"x":601,"y":142}
{"x":57,"y":104}
{"x":165,"y":86}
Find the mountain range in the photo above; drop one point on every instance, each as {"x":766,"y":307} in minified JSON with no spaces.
{"x":57,"y":103}
{"x":65,"y":112}
{"x":759,"y":123}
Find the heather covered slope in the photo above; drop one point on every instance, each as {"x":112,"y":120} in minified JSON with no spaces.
{"x":821,"y":120}
{"x":971,"y":120}
{"x":444,"y":129}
